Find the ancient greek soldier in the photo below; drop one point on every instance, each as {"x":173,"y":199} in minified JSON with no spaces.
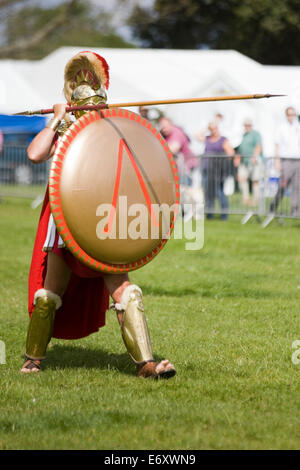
{"x":67,"y":299}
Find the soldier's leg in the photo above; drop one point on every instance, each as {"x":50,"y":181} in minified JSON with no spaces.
{"x":130,"y":312}
{"x":58,"y":274}
{"x":47,"y":301}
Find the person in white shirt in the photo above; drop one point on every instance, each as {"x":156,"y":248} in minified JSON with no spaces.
{"x":287,"y":160}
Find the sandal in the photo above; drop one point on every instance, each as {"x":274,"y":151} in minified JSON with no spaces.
{"x":31,"y":365}
{"x":156,"y":370}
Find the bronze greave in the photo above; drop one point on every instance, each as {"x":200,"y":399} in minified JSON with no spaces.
{"x":41,"y":323}
{"x":134,"y":327}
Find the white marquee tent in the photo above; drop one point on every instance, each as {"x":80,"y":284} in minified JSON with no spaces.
{"x":138,"y":74}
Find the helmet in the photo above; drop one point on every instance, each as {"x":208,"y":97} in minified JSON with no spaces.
{"x":86,"y":79}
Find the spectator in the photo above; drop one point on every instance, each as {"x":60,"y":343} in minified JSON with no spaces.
{"x":152,"y":115}
{"x":178,"y":143}
{"x":144,"y":112}
{"x":215,"y":169}
{"x":249,"y":163}
{"x":287,"y":160}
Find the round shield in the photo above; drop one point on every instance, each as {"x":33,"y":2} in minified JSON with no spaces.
{"x":114,"y":190}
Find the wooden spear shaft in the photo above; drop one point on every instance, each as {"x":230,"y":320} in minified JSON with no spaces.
{"x":192,"y":100}
{"x":152,"y":103}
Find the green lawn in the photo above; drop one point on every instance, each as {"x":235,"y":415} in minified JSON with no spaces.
{"x":23,"y":191}
{"x":226,"y":316}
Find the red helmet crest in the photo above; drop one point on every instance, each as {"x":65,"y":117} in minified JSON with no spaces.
{"x":85,"y":67}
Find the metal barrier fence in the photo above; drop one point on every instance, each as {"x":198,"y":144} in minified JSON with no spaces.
{"x":18,"y":176}
{"x":266,"y":188}
{"x":225,"y":185}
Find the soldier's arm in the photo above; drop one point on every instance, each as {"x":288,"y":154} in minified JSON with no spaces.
{"x":42,"y":147}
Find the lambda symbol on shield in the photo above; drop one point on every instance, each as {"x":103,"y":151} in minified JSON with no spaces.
{"x":103,"y":160}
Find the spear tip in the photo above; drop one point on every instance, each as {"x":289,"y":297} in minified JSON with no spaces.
{"x":268,"y":95}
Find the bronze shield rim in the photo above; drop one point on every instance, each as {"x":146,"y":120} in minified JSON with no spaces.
{"x":54,"y":191}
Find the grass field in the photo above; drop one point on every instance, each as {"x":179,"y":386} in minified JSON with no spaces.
{"x":226,"y":316}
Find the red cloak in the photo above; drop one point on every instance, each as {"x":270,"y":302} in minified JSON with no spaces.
{"x":86,"y":299}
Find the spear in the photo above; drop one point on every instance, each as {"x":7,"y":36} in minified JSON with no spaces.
{"x":151,"y":103}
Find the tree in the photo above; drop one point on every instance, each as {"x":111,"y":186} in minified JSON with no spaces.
{"x":265,"y":30}
{"x":31,"y":32}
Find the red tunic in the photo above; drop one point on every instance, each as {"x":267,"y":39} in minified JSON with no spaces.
{"x":86,"y":299}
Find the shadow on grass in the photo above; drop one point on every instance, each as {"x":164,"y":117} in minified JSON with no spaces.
{"x":75,"y":357}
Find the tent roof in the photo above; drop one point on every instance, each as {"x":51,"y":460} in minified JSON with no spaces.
{"x":138,"y":74}
{"x":145,"y":73}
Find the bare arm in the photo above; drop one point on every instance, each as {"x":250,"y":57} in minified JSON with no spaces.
{"x":257,"y":150}
{"x":200,"y":136}
{"x":228,"y":149}
{"x":277,"y":158}
{"x":237,"y":160}
{"x":256,"y":153}
{"x":42,"y":147}
{"x":174,"y":146}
